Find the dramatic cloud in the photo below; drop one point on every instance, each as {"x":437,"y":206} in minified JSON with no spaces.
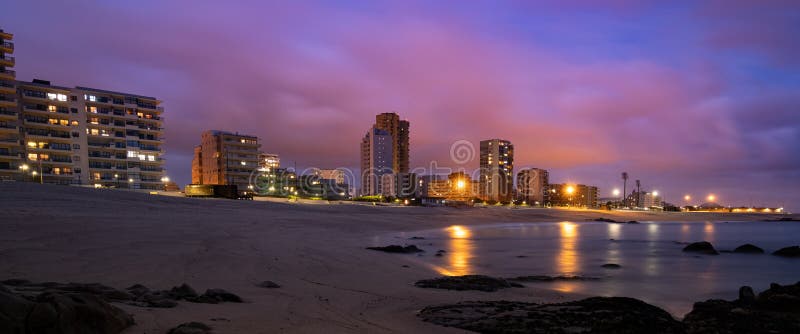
{"x":688,"y":98}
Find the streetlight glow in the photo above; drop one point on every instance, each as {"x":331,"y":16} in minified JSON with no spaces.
{"x":655,"y":193}
{"x":570,"y":190}
{"x":460,"y":184}
{"x":711,"y":197}
{"x":687,"y":198}
{"x":615,"y":192}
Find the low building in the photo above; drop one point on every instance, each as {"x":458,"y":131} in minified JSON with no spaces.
{"x":573,"y":195}
{"x":455,"y":186}
{"x":226,"y":158}
{"x":532,"y":186}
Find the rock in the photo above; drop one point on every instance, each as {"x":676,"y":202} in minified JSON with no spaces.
{"x":397,"y":249}
{"x":75,"y":313}
{"x":191,"y":328}
{"x":268,"y":285}
{"x":703,"y":247}
{"x":592,"y":315}
{"x":15,"y":282}
{"x":601,"y":219}
{"x":416,"y":238}
{"x":13,"y":312}
{"x":792,"y":251}
{"x":543,"y":278}
{"x":183,"y":291}
{"x":746,"y":295}
{"x":632,"y":222}
{"x":467,"y":282}
{"x":776,"y":310}
{"x":611,"y":266}
{"x":749,"y":249}
{"x":222,"y":295}
{"x":137,"y":290}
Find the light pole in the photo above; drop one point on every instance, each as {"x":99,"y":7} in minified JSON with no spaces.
{"x":116,"y":180}
{"x":24,"y":169}
{"x":165,"y":180}
{"x":570,"y":190}
{"x":624,"y":189}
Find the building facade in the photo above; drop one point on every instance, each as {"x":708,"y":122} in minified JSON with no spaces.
{"x":226,"y":158}
{"x":496,"y":170}
{"x":269,"y":160}
{"x":11,"y":154}
{"x":532,"y":186}
{"x":398,"y":129}
{"x":377,"y":159}
{"x":573,"y":195}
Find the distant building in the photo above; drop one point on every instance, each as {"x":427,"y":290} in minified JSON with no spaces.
{"x":532,"y":186}
{"x":11,"y":152}
{"x":455,"y":186}
{"x":269,"y":160}
{"x":645,"y":199}
{"x":226,"y":158}
{"x":496,"y":170}
{"x":376,"y":160}
{"x":398,"y":129}
{"x":276,"y":182}
{"x":387,"y":185}
{"x":337,"y":175}
{"x":406,"y":185}
{"x":573,"y":195}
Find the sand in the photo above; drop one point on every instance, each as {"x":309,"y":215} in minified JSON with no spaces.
{"x":330,"y":283}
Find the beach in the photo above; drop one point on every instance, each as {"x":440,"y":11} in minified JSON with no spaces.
{"x":316,"y":252}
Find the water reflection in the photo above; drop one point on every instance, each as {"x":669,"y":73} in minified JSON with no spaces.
{"x":459,"y":253}
{"x":708,"y":231}
{"x":567,"y":257}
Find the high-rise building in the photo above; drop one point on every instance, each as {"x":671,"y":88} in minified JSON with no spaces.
{"x":226,"y":158}
{"x":398,"y":129}
{"x":10,"y":152}
{"x":85,"y":135}
{"x":406,"y":185}
{"x":377,"y":159}
{"x":80,"y":135}
{"x":532,"y":186}
{"x":496,"y":170}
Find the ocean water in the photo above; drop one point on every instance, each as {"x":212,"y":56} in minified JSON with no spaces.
{"x":654,"y":268}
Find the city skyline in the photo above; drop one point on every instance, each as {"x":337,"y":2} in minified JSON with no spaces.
{"x":688,"y":122}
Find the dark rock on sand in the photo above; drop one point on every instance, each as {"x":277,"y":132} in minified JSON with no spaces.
{"x":776,"y":310}
{"x":703,"y":247}
{"x":191,"y":328}
{"x":633,"y":222}
{"x":397,"y":249}
{"x":607,"y":220}
{"x":544,"y":278}
{"x":268,"y":285}
{"x":793,"y":251}
{"x":184,"y":291}
{"x":611,"y":266}
{"x":592,"y":315}
{"x":220,"y":295}
{"x":749,"y":249}
{"x":467,"y":282}
{"x":52,"y":312}
{"x":416,"y":238}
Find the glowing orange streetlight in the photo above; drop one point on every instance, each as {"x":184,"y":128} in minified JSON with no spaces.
{"x":711,"y":197}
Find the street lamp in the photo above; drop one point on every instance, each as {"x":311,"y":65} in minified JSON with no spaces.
{"x":570,"y":190}
{"x":655,"y":193}
{"x":615,"y":192}
{"x":687,"y":198}
{"x":116,"y":180}
{"x":24,"y":169}
{"x":712,"y":197}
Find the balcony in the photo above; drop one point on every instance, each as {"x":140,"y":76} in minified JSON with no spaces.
{"x":7,"y":47}
{"x":8,"y":87}
{"x":7,"y":128}
{"x":7,"y":61}
{"x":8,"y":100}
{"x":5,"y":35}
{"x":8,"y":114}
{"x":8,"y":74}
{"x":9,"y":155}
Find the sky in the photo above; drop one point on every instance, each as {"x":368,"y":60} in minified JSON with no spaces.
{"x":690,"y":97}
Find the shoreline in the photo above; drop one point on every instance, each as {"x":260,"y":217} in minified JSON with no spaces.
{"x":315,"y":252}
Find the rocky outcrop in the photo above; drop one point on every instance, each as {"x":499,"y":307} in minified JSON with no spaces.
{"x":397,"y":249}
{"x":776,"y":310}
{"x":50,"y":312}
{"x":749,"y":249}
{"x":592,"y":315}
{"x":467,"y":282}
{"x":703,"y":247}
{"x":611,"y":266}
{"x":793,"y":251}
{"x":268,"y":285}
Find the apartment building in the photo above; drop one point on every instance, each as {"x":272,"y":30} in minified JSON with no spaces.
{"x":10,"y":151}
{"x":92,"y":136}
{"x":532,"y":186}
{"x":226,"y":158}
{"x":496,"y":170}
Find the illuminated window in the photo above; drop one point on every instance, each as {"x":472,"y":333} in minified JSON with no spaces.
{"x":94,"y":120}
{"x":94,"y":132}
{"x":142,"y":157}
{"x":92,"y":110}
{"x":31,"y":144}
{"x":52,"y":96}
{"x":151,"y":158}
{"x":62,"y":97}
{"x":96,"y":176}
{"x":33,"y":156}
{"x":64,"y":122}
{"x":51,"y":108}
{"x":133,"y":154}
{"x":91,"y":98}
{"x":52,"y":121}
{"x":57,"y":171}
{"x":74,"y":123}
{"x":140,"y":114}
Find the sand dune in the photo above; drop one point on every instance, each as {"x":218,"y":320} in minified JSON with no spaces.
{"x":330,"y":283}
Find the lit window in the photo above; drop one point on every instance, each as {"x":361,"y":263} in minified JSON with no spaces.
{"x":142,"y":157}
{"x":74,"y":123}
{"x":31,"y":144}
{"x":92,"y":98}
{"x":52,"y":121}
{"x":51,"y":108}
{"x":151,"y":158}
{"x":62,"y":97}
{"x":63,"y":122}
{"x":92,"y":109}
{"x":94,"y":132}
{"x":33,"y":156}
{"x":133,"y":154}
{"x":52,"y":96}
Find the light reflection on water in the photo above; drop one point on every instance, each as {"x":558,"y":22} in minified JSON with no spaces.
{"x":653,"y":266}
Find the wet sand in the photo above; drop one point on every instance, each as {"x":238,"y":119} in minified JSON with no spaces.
{"x":330,"y":283}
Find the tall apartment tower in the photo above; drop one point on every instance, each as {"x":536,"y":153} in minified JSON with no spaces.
{"x":398,"y":129}
{"x":226,"y":158}
{"x":496,"y":170}
{"x":377,"y":159}
{"x":532,"y":186}
{"x":10,"y":151}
